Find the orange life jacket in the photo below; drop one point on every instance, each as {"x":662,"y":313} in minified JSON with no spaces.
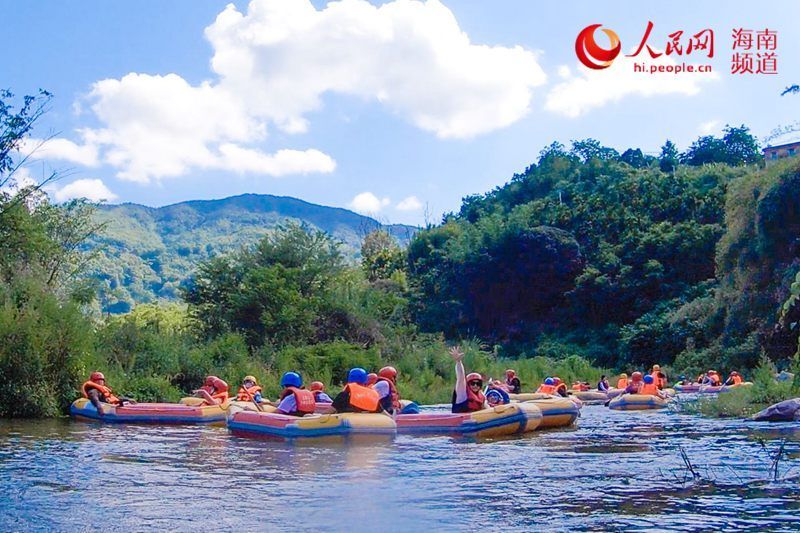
{"x":105,"y":392}
{"x":396,"y":405}
{"x":561,"y":389}
{"x":737,"y":380}
{"x":659,"y":379}
{"x":580,"y":387}
{"x":649,"y":389}
{"x":622,"y":383}
{"x":222,"y":396}
{"x":303,"y":398}
{"x":546,"y":389}
{"x":363,"y":398}
{"x":715,"y":380}
{"x":247,"y":395}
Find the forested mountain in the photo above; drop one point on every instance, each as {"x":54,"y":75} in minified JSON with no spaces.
{"x":145,"y":253}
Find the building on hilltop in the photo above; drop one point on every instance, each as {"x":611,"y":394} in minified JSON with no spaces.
{"x":773,"y":153}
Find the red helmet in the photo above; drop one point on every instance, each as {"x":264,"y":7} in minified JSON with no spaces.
{"x":372,"y":378}
{"x":556,"y":381}
{"x":510,"y":373}
{"x":474,"y":376}
{"x":219,"y":385}
{"x":636,"y":376}
{"x":97,"y":376}
{"x":388,"y":372}
{"x":316,"y":386}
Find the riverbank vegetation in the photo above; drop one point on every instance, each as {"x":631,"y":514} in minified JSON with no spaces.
{"x":590,"y":259}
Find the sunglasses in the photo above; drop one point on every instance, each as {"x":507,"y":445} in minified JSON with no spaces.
{"x":475,"y":383}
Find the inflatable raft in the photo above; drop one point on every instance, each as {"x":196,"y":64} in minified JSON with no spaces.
{"x":556,"y":411}
{"x":691,"y":387}
{"x":264,"y":408}
{"x":590,"y":396}
{"x":497,"y":421}
{"x":150,"y":413}
{"x":637,"y":402}
{"x":248,"y":422}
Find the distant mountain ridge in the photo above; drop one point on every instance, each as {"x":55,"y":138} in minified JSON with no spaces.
{"x":145,"y":253}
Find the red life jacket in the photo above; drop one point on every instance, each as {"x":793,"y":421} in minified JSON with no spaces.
{"x":105,"y":392}
{"x":363,"y":398}
{"x":475,"y":401}
{"x":395,"y":395}
{"x":247,"y":395}
{"x":622,"y":383}
{"x":546,"y":389}
{"x":303,"y":398}
{"x":222,"y":396}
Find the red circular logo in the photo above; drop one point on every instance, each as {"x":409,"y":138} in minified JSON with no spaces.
{"x":591,"y":54}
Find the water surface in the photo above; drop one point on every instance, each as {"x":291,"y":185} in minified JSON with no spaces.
{"x":616,"y":470}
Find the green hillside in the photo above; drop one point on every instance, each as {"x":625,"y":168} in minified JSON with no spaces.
{"x":143,"y":254}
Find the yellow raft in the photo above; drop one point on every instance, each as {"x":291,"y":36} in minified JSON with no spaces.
{"x":556,"y":411}
{"x":247,"y":422}
{"x":637,"y":402}
{"x":589,"y":395}
{"x":189,"y":411}
{"x":508,"y":419}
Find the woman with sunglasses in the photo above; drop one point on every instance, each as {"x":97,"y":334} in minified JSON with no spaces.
{"x":468,"y":394}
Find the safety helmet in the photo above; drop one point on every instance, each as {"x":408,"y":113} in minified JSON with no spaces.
{"x":250,"y":378}
{"x":316,"y":386}
{"x":97,"y":376}
{"x":648,"y":379}
{"x":549,"y":381}
{"x":291,"y":379}
{"x":681,"y":377}
{"x":637,"y":376}
{"x":712,"y":371}
{"x":357,"y":375}
{"x":372,"y":378}
{"x":624,"y":375}
{"x":210,"y":381}
{"x":656,"y":367}
{"x":510,"y":373}
{"x":474,"y":376}
{"x":388,"y":372}
{"x":219,"y":385}
{"x":493,"y":397}
{"x":556,"y":380}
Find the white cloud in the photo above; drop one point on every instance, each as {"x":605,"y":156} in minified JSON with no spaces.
{"x":368,"y":203}
{"x":91,"y":189}
{"x":281,"y":163}
{"x":589,"y":89}
{"x":22,"y":178}
{"x":411,"y":203}
{"x":710,"y":127}
{"x":413,"y":57}
{"x":60,"y":149}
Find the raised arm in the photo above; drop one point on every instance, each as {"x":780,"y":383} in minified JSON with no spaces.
{"x":461,"y":375}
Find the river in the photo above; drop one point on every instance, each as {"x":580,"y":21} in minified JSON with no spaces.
{"x":616,"y":470}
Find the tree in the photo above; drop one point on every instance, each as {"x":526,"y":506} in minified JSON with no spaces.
{"x":740,"y":146}
{"x":668,"y":159}
{"x":589,"y":149}
{"x":381,"y":256}
{"x":634,"y":158}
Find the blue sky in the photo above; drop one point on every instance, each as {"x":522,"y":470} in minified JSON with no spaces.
{"x":383,"y":110}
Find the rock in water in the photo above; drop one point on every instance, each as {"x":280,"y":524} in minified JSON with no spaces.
{"x":786,"y":411}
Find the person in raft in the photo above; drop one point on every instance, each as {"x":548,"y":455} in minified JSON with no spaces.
{"x":547,"y":387}
{"x":294,"y":399}
{"x":318,"y":388}
{"x":603,"y":385}
{"x":734,"y":379}
{"x":214,"y":391}
{"x":98,"y":393}
{"x":496,"y":397}
{"x":635,"y":384}
{"x":649,"y":387}
{"x":356,"y":397}
{"x":249,"y":391}
{"x":712,"y":378}
{"x":389,"y":402}
{"x":372,"y":379}
{"x":622,"y":382}
{"x":512,"y":382}
{"x":659,"y":378}
{"x":468,"y":394}
{"x":561,"y":387}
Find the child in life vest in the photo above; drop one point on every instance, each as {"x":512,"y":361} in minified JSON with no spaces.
{"x":214,"y":391}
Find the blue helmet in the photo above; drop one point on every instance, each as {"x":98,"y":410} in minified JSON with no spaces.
{"x":648,"y":378}
{"x":681,"y":377}
{"x":357,"y":375}
{"x":494,"y":397}
{"x":291,"y":379}
{"x":549,"y":381}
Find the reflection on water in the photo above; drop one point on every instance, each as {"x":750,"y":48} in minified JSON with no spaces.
{"x":617,"y":470}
